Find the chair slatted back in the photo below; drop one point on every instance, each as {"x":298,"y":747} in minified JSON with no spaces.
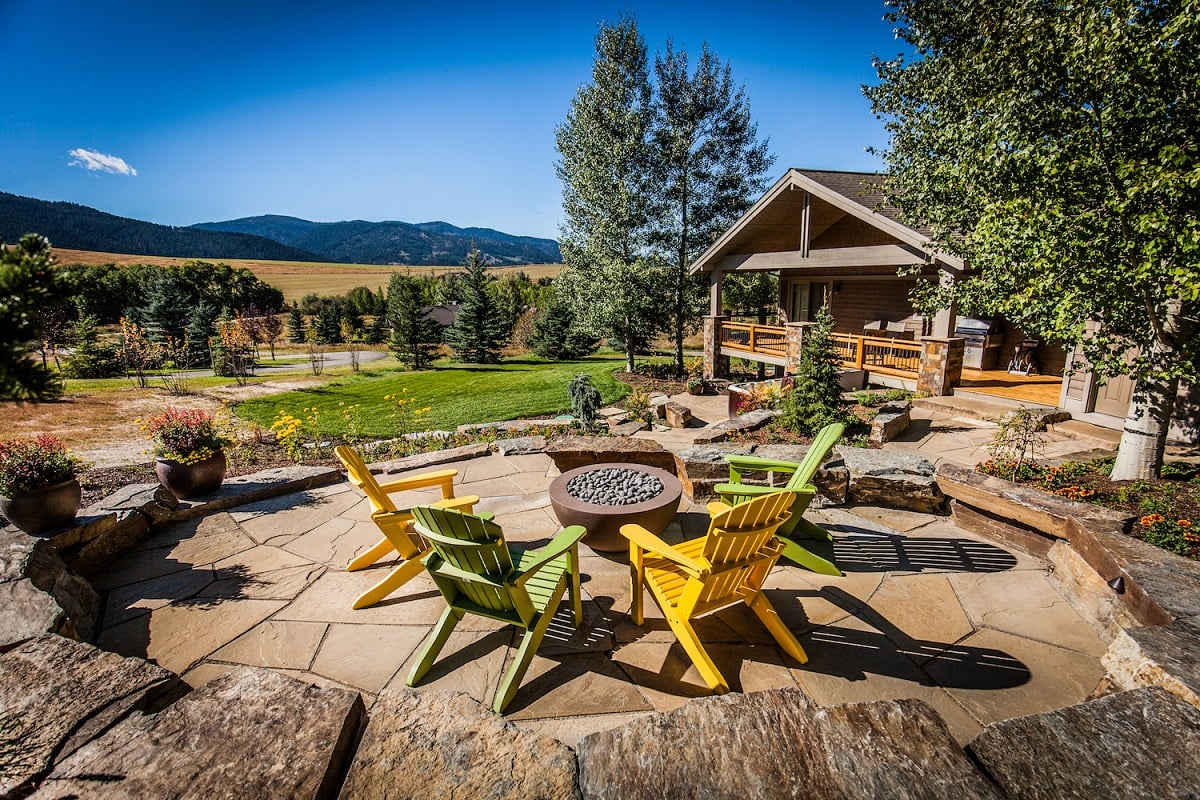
{"x":360,"y":476}
{"x":734,"y":539}
{"x":472,"y":545}
{"x":818,"y":453}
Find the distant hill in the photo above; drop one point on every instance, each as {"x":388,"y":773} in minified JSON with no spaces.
{"x":426,"y":243}
{"x":78,"y":227}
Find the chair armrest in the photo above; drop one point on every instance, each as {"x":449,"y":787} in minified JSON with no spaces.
{"x":755,"y":490}
{"x":718,"y":506}
{"x":464,"y":504}
{"x":443,"y":478}
{"x":563,"y":541}
{"x":742,"y":463}
{"x":644,"y":539}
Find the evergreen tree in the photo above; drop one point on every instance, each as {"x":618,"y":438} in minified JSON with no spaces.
{"x":557,"y":337}
{"x":295,"y":325}
{"x":377,"y":332}
{"x":200,"y":330}
{"x":709,"y":165}
{"x":478,"y":331}
{"x":415,"y":337}
{"x":91,"y":358}
{"x":328,"y":324}
{"x":816,"y":398}
{"x":28,"y":282}
{"x":164,"y":314}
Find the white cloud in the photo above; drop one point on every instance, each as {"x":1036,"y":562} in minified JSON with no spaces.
{"x":94,"y":161}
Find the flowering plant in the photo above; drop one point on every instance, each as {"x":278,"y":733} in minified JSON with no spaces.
{"x":188,"y":436}
{"x":26,"y":466}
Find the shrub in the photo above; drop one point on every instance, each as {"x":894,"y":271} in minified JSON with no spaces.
{"x":1176,"y":535}
{"x":585,"y":400}
{"x":26,"y":466}
{"x":816,"y":398}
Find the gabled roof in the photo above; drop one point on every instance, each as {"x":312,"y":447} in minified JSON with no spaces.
{"x":856,"y":194}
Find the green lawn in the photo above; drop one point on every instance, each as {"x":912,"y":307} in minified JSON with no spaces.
{"x":456,"y":394}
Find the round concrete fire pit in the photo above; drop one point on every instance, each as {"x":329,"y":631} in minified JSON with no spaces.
{"x":603,"y":497}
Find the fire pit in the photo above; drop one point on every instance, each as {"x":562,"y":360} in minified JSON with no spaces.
{"x":603,"y":497}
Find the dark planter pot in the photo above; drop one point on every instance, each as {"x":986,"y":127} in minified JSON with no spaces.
{"x":186,"y":481}
{"x":45,"y":509}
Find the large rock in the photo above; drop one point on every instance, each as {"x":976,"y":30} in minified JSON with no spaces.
{"x":56,"y":694}
{"x":576,"y":451}
{"x":677,"y":415}
{"x":752,"y":420}
{"x":779,"y":744}
{"x":890,"y":422}
{"x":892,"y":479}
{"x":1140,"y":744}
{"x":1167,"y":656}
{"x":441,"y":744}
{"x":39,"y":594}
{"x":248,"y":733}
{"x":431,"y":459}
{"x":702,"y":467}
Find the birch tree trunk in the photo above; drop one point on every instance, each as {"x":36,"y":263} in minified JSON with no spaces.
{"x":1144,"y":437}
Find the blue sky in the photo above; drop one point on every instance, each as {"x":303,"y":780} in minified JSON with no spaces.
{"x":381,"y":110}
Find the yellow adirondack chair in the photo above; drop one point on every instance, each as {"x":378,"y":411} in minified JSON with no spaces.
{"x":395,"y":523}
{"x":800,"y":482}
{"x":701,"y":576}
{"x":477,"y":573}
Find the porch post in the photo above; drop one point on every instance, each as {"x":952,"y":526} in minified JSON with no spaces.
{"x":715,"y":364}
{"x":944,"y":321}
{"x":941,"y":366}
{"x":795,"y":338}
{"x":715,"y":282}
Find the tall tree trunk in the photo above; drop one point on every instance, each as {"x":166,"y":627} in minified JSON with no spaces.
{"x":1144,"y":438}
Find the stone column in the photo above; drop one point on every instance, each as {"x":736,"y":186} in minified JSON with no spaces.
{"x":795,"y":338}
{"x":715,"y":364}
{"x":941,"y":366}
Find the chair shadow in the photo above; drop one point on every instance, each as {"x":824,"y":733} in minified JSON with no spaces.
{"x":856,"y":549}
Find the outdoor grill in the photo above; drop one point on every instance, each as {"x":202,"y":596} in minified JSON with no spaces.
{"x":984,"y":340}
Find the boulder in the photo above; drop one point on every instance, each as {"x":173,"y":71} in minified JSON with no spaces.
{"x":749,"y":421}
{"x":628,"y":428}
{"x":779,"y":744}
{"x":1158,"y":655}
{"x":57,"y":695}
{"x":39,"y":593}
{"x":703,"y":467}
{"x":521,"y":446}
{"x":431,"y":459}
{"x":443,"y":744}
{"x":1139,"y":744}
{"x":677,"y":415}
{"x":892,"y":479}
{"x":890,"y":422}
{"x":576,"y":451}
{"x":248,"y":733}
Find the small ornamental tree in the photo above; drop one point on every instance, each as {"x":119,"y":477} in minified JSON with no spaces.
{"x":415,"y":336}
{"x":585,"y":400}
{"x":480,"y":328}
{"x":139,"y":352}
{"x":272,"y":329}
{"x":816,"y":396}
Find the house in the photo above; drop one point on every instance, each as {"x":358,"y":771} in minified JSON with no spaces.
{"x":832,"y":240}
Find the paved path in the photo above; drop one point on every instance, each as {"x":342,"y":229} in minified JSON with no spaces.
{"x":925,"y":610}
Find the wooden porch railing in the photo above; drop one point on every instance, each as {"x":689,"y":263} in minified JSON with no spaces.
{"x":765,"y":339}
{"x":860,"y":352}
{"x":873,"y":352}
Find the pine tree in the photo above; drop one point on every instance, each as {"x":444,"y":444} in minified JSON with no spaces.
{"x":328,"y":324}
{"x":478,"y":330}
{"x":164,"y":314}
{"x":415,"y":337}
{"x":816,"y":398}
{"x":295,"y":325}
{"x":89,"y":357}
{"x":377,"y":332}
{"x":200,"y":330}
{"x":556,"y":335}
{"x":27,"y":283}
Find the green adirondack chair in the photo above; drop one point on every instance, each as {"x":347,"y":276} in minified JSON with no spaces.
{"x":736,"y":492}
{"x":478,"y":573}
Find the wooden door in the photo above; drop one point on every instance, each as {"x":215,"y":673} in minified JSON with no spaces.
{"x":1113,"y":398}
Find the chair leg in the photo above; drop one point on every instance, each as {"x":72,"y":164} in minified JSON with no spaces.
{"x":524,"y":656}
{"x":766,"y":612}
{"x":696,"y":652}
{"x":394,"y":580}
{"x":576,"y":599}
{"x":811,"y":530}
{"x":637,"y":580}
{"x":809,"y":560}
{"x":434,"y":645}
{"x":364,"y":560}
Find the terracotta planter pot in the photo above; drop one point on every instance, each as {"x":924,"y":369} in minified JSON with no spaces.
{"x":186,"y":481}
{"x":44,"y":509}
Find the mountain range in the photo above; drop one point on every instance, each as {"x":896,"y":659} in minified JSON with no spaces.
{"x":269,"y":237}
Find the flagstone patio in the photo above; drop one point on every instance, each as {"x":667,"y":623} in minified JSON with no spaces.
{"x":925,"y":610}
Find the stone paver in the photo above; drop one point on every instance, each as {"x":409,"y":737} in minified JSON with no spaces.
{"x":924,"y":610}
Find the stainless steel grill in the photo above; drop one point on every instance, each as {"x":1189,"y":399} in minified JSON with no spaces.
{"x":984,"y":340}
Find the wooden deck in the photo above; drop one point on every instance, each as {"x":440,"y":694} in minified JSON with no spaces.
{"x":1041,"y":389}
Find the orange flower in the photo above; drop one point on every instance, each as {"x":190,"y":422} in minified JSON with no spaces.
{"x":1149,"y":520}
{"x":1183,"y":523}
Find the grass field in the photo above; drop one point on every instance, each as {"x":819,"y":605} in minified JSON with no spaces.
{"x":456,"y":394}
{"x":298,"y":278}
